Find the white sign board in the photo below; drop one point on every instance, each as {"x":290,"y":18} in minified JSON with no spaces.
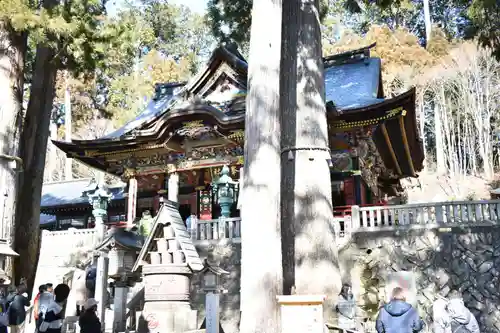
{"x":301,"y":313}
{"x":404,"y":280}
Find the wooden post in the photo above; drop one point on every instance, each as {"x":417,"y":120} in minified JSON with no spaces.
{"x":132,"y":201}
{"x":173,"y":187}
{"x":355,"y":217}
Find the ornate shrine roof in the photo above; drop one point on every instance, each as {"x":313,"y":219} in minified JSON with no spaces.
{"x":212,"y":105}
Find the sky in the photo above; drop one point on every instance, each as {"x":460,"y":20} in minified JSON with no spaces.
{"x":197,"y":6}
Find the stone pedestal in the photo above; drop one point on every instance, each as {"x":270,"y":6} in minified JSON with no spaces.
{"x":167,"y":305}
{"x":302,"y":313}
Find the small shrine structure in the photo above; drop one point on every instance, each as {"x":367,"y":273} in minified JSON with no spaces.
{"x":189,"y":131}
{"x":168,"y":260}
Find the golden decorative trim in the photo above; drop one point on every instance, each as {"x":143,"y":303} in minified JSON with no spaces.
{"x":391,"y":150}
{"x":362,"y":123}
{"x":238,"y":134}
{"x":93,"y":153}
{"x":193,"y":124}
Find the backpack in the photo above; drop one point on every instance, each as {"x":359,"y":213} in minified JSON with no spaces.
{"x":457,"y":327}
{"x":4,"y":315}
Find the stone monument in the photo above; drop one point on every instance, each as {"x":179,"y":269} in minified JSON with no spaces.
{"x":168,"y":259}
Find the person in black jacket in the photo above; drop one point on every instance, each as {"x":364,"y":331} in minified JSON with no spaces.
{"x":89,"y":323}
{"x":3,"y":312}
{"x":54,"y":314}
{"x":17,"y":301}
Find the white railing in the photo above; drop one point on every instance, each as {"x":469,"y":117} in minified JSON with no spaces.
{"x":439,"y":213}
{"x":221,"y":228}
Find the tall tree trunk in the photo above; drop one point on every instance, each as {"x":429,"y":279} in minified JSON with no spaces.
{"x":12,"y":52}
{"x":310,"y":258}
{"x":261,"y":275}
{"x":33,"y":148}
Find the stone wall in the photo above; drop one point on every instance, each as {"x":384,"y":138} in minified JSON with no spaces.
{"x":226,"y":255}
{"x":466,"y":259}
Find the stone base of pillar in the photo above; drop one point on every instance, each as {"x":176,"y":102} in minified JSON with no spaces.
{"x":167,"y":316}
{"x":167,"y":305}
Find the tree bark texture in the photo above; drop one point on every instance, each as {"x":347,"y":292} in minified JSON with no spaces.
{"x":33,"y":149}
{"x":310,"y":258}
{"x":12,"y":52}
{"x":261,"y":277}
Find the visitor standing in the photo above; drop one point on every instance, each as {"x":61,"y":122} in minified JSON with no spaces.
{"x":461,"y":319}
{"x":44,"y":300}
{"x":440,"y":316}
{"x":89,"y":322}
{"x":398,"y":316}
{"x":17,"y":301}
{"x":346,"y":308}
{"x":4,"y":316}
{"x":53,"y":319}
{"x":36,"y":312}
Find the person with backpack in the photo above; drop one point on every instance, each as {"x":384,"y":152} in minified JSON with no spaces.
{"x":54,"y":314}
{"x":17,"y":301}
{"x":440,"y":316}
{"x":461,"y":319}
{"x":90,"y":280}
{"x":4,"y":316}
{"x":41,"y":302}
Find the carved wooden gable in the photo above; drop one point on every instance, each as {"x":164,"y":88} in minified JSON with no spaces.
{"x":169,"y":242}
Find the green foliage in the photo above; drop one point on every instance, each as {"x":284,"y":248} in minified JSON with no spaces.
{"x":230,"y":20}
{"x":154,"y":43}
{"x":485,"y":18}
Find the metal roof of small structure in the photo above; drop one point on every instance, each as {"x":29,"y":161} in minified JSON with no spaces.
{"x":122,"y":238}
{"x":70,"y":192}
{"x":207,"y":267}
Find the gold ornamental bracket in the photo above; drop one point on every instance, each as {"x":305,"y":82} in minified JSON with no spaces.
{"x":129,"y":173}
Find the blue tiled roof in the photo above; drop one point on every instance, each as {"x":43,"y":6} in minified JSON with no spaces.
{"x":70,"y":193}
{"x":348,"y":85}
{"x":47,"y":219}
{"x":155,"y":107}
{"x":353,"y":85}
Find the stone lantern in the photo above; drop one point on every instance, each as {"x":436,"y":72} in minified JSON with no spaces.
{"x":121,"y":247}
{"x":212,"y":286}
{"x":225,"y":191}
{"x":99,"y":198}
{"x":211,"y":277}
